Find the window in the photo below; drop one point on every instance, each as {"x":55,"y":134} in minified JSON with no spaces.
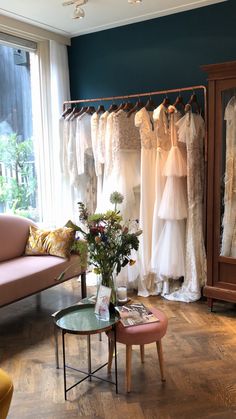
{"x":18,"y":177}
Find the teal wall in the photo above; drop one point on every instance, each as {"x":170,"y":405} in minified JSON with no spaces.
{"x":162,"y":53}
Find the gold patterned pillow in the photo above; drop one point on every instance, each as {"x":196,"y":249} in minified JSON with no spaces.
{"x":50,"y":242}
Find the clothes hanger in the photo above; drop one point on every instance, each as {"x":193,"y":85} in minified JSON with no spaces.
{"x":112,"y":107}
{"x":71,"y":114}
{"x":90,"y":110}
{"x":100,"y":109}
{"x":166,"y":101}
{"x":128,"y":106}
{"x":150,"y":105}
{"x":75,"y":113}
{"x":194,"y":103}
{"x":82,"y":110}
{"x":179,"y":102}
{"x":66,"y":112}
{"x":138,"y":105}
{"x":120,"y":107}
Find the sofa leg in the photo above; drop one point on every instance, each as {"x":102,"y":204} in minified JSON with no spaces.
{"x":38,"y":300}
{"x":83,"y":285}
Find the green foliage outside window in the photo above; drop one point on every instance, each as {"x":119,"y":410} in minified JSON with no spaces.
{"x":18,"y":185}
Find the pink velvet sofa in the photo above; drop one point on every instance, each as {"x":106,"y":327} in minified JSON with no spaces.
{"x":22,"y":276}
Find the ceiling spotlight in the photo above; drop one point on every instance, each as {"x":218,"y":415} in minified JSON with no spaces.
{"x":134,"y":1}
{"x":78,"y":13}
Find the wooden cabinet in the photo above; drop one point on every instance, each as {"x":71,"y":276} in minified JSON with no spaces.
{"x":221,"y":183}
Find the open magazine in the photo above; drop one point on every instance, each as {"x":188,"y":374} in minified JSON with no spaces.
{"x":136,"y":314}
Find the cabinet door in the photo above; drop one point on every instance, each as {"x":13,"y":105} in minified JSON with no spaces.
{"x":224,"y":186}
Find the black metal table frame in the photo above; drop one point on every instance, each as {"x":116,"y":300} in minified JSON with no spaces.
{"x":89,"y":374}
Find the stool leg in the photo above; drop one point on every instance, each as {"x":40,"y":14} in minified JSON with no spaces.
{"x":160,"y":357}
{"x":111,"y":346}
{"x":142,"y":353}
{"x":128,"y":367}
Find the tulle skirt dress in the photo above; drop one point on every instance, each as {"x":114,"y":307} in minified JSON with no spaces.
{"x":170,"y":250}
{"x":169,"y":254}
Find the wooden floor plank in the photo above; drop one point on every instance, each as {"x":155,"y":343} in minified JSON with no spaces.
{"x":199,"y":358}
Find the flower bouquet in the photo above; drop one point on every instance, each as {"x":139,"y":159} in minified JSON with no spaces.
{"x":109,"y":241}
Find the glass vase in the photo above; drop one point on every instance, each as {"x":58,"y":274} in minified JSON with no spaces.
{"x":108,"y":280}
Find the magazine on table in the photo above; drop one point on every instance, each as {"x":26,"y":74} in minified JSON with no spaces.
{"x":136,"y":314}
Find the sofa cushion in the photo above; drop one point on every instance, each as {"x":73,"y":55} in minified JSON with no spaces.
{"x":27,"y":275}
{"x":55,"y":242}
{"x":14,"y":232}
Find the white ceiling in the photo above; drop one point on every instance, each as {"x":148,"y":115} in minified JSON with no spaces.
{"x":99,"y":14}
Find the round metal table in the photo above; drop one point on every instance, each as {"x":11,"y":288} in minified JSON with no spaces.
{"x":81,"y":320}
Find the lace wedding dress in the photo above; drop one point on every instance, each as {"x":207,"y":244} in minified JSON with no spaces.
{"x":122,"y":164}
{"x":98,"y":132}
{"x":191,"y":132}
{"x":228,"y":247}
{"x":122,"y":174}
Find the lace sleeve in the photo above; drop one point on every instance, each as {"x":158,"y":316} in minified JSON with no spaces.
{"x":138,"y":119}
{"x":161,"y":120}
{"x":183,"y":128}
{"x":79,"y":147}
{"x":108,"y":145}
{"x":94,"y":137}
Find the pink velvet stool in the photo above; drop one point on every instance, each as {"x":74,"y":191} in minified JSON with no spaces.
{"x":139,"y":335}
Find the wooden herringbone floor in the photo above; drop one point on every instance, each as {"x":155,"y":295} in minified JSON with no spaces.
{"x":199,"y":354}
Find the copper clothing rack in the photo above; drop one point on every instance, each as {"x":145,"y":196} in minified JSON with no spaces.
{"x":157,"y":92}
{"x":138,"y":95}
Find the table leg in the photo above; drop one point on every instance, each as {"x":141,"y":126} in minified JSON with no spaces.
{"x":83,"y":285}
{"x":56,"y":345}
{"x":89,"y":357}
{"x":64,"y":361}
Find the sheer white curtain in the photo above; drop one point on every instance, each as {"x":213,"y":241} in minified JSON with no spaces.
{"x":51,"y":74}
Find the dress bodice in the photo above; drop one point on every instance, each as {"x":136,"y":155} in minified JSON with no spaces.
{"x":160,"y":116}
{"x":145,"y":122}
{"x":174,"y":117}
{"x":125,"y":133}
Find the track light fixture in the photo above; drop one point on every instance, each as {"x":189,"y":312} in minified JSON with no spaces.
{"x":78,"y":12}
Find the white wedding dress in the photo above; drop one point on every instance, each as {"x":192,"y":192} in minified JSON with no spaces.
{"x":191,"y":132}
{"x":170,"y":251}
{"x":122,"y":165}
{"x":144,"y":121}
{"x":86,"y":183}
{"x":160,"y":116}
{"x":122,"y":174}
{"x":98,"y":132}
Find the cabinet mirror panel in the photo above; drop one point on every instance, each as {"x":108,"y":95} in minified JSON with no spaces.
{"x":228,"y":175}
